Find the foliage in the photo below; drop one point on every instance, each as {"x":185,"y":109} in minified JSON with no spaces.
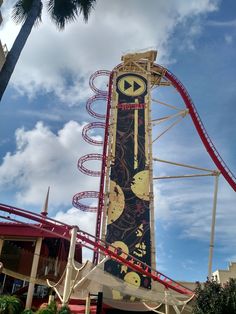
{"x":45,"y":310}
{"x":212,"y":298}
{"x":28,"y":12}
{"x":21,"y":10}
{"x":10,"y":305}
{"x":27,"y":312}
{"x":48,"y":309}
{"x":53,"y":307}
{"x":229,"y":296}
{"x":64,"y":310}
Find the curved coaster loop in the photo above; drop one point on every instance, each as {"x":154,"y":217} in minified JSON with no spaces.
{"x":86,"y":158}
{"x":87,"y":194}
{"x":89,"y":127}
{"x":89,"y":103}
{"x":92,"y":80}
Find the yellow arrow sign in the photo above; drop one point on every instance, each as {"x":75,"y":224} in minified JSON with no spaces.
{"x":131,"y":85}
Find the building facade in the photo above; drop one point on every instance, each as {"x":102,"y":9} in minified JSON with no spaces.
{"x":3,"y":47}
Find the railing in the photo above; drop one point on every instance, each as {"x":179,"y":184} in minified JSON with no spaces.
{"x":58,"y":229}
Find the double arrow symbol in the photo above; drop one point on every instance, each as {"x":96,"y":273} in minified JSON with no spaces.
{"x":134,"y":85}
{"x":131,"y":85}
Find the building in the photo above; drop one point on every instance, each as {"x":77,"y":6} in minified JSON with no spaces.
{"x":3,"y":47}
{"x":1,"y":1}
{"x":18,"y":246}
{"x":223,"y":275}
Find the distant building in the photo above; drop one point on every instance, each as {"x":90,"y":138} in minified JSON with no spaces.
{"x":222,"y":276}
{"x":3,"y":48}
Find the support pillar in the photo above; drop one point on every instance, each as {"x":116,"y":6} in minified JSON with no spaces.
{"x":213,"y":226}
{"x":1,"y":245}
{"x":167,"y":307}
{"x":87,"y":306}
{"x":69,"y":268}
{"x":33,"y":273}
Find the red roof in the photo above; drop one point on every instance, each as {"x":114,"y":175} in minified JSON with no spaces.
{"x":22,"y":230}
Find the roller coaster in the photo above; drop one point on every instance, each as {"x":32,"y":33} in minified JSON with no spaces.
{"x":128,"y":98}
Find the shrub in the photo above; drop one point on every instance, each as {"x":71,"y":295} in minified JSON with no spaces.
{"x":10,"y":305}
{"x":64,"y":310}
{"x":213,"y":298}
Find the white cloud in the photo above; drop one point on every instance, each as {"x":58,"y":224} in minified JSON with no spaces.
{"x":188,"y":205}
{"x":231,"y":23}
{"x":84,"y":220}
{"x":79,"y":218}
{"x":50,"y":57}
{"x":228,"y":39}
{"x":42,"y":159}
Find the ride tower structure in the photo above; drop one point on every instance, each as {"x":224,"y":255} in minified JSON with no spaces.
{"x":128,"y":211}
{"x":124,"y":242}
{"x":125,"y":212}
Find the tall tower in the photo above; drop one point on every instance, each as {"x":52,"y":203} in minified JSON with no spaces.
{"x":128,"y":212}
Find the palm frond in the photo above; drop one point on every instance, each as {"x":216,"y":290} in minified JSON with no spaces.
{"x":85,"y":7}
{"x":62,"y":11}
{"x":22,"y":8}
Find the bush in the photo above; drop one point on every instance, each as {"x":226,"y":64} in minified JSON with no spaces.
{"x":10,"y":305}
{"x":212,"y":298}
{"x":64,"y":310}
{"x":48,"y":309}
{"x":229,"y":296}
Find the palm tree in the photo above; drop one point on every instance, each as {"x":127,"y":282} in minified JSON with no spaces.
{"x":29,"y":12}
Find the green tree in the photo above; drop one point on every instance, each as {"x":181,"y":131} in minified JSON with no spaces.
{"x":229,"y":296}
{"x":10,"y":305}
{"x":28,"y":12}
{"x":214,"y":298}
{"x":208,"y":298}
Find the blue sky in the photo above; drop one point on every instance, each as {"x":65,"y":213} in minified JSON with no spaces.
{"x":43,"y":112}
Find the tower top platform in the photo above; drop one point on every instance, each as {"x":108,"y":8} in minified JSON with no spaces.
{"x":137,"y":56}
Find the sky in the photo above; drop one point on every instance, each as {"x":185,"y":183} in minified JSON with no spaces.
{"x":42,"y":115}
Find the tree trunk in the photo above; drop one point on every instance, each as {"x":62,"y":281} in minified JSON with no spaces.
{"x":14,"y":54}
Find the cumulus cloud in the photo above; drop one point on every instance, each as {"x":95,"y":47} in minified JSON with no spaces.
{"x":74,"y":217}
{"x":43,"y":158}
{"x":188,"y":204}
{"x":228,"y":39}
{"x":58,"y":62}
{"x":230,"y":23}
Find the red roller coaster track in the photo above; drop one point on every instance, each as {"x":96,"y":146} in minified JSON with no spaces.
{"x":59,"y":229}
{"x":210,"y":147}
{"x":91,"y":126}
{"x":92,"y":100}
{"x":86,"y":194}
{"x":85,"y":239}
{"x":217,"y":159}
{"x":86,"y":158}
{"x":92,"y":80}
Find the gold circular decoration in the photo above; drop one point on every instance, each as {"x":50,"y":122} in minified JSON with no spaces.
{"x":131,"y":85}
{"x":120,"y":245}
{"x":132,"y":279}
{"x":140,"y":185}
{"x":116,"y":204}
